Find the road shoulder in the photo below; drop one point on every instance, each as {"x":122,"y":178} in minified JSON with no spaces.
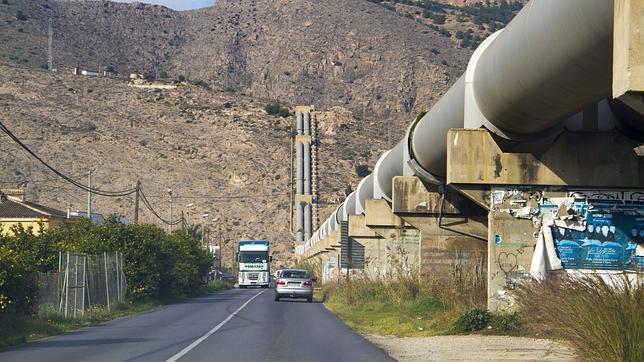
{"x":472,"y":348}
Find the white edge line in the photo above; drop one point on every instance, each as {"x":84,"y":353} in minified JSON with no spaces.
{"x":211,"y":332}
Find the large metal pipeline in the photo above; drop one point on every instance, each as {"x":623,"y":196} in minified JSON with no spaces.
{"x":299,"y":223}
{"x":553,"y":59}
{"x":428,"y":136}
{"x":299,"y":169}
{"x":550,"y":62}
{"x":306,"y":124}
{"x":364,"y":192}
{"x":307,"y":168}
{"x":307,"y":221}
{"x":388,"y":166}
{"x":299,"y":125}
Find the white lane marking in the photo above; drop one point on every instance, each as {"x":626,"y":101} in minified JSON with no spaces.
{"x":211,"y":332}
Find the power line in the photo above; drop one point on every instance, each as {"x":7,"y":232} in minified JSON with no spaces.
{"x":226,"y":197}
{"x":63,"y":176}
{"x":36,"y":181}
{"x":147,"y":204}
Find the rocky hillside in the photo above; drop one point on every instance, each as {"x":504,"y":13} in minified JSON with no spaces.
{"x":386,"y":64}
{"x":465,"y":22}
{"x":219,"y":151}
{"x":377,"y":64}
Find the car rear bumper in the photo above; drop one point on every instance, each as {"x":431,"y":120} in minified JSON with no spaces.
{"x":294,"y":293}
{"x":249,"y":283}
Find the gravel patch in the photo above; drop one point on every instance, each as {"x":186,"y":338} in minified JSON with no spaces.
{"x":473,"y":348}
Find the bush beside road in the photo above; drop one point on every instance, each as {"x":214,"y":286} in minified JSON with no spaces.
{"x":159,"y":267}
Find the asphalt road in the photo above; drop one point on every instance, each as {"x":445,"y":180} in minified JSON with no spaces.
{"x":235,"y":325}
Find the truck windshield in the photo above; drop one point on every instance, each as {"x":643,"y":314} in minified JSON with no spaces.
{"x":253,"y":257}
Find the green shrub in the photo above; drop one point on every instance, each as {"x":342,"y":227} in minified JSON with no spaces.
{"x":18,"y":285}
{"x":602,"y":320}
{"x":201,"y":83}
{"x":363,"y":170}
{"x":473,"y":320}
{"x":217,"y":285}
{"x":313,"y":267}
{"x":21,"y":16}
{"x":506,"y":323}
{"x":156,"y":264}
{"x":276,"y":109}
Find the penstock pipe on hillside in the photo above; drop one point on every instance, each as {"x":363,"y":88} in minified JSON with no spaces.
{"x":551,"y":61}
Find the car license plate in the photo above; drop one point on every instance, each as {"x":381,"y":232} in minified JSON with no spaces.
{"x":293,"y":284}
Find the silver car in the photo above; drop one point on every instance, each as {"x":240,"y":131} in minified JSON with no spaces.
{"x":294,"y":283}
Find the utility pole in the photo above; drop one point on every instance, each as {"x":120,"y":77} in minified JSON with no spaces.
{"x":221,"y":244}
{"x":50,"y":41}
{"x":136,"y":201}
{"x":89,"y":195}
{"x":170,"y":194}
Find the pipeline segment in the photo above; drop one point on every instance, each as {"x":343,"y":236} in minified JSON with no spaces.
{"x":550,"y":62}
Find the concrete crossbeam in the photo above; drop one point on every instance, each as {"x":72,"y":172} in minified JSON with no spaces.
{"x":473,"y":157}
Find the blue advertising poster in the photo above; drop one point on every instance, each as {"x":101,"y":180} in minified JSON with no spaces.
{"x":609,"y":240}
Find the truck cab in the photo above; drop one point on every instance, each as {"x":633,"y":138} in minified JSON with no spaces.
{"x":253,"y":258}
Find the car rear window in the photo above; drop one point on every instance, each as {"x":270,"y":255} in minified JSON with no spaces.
{"x":294,"y":274}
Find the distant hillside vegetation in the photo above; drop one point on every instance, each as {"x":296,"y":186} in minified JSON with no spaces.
{"x":327,"y":52}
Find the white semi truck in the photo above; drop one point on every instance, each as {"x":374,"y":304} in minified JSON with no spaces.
{"x":254,"y":259}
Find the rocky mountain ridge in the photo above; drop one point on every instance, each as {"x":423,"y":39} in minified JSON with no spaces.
{"x":210,"y":139}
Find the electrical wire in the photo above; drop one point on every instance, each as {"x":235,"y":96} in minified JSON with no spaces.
{"x":60,"y":174}
{"x":225,"y":197}
{"x":147,"y":204}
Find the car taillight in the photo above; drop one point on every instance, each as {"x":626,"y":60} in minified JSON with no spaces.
{"x":281,"y":282}
{"x":308,"y":283}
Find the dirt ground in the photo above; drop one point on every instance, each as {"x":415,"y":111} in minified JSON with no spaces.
{"x":473,"y":348}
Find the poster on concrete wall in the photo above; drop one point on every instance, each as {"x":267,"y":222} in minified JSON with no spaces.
{"x":607,"y":238}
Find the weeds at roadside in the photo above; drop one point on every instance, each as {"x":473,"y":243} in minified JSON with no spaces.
{"x":405,"y":303}
{"x":602,"y":319}
{"x":313,"y":267}
{"x":48,"y":321}
{"x":217,"y":285}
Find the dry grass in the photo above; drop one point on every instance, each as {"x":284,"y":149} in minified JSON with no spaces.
{"x":406,"y":303}
{"x":603,"y":320}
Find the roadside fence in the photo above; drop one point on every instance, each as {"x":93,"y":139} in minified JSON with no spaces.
{"x":82,"y":282}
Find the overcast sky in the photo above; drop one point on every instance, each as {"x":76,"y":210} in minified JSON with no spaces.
{"x":175,"y":4}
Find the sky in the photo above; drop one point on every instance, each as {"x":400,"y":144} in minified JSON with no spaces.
{"x":175,"y":4}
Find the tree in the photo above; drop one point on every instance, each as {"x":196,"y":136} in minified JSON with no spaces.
{"x":21,"y":16}
{"x":362,"y":170}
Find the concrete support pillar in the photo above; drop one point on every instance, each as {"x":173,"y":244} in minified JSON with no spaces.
{"x":300,"y":123}
{"x":449,"y":229}
{"x":307,"y":168}
{"x":299,"y":157}
{"x":531,"y":199}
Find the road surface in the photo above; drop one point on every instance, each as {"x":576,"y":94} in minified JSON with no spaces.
{"x":234,"y":325}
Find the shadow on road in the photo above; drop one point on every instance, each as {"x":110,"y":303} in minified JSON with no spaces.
{"x":80,"y":342}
